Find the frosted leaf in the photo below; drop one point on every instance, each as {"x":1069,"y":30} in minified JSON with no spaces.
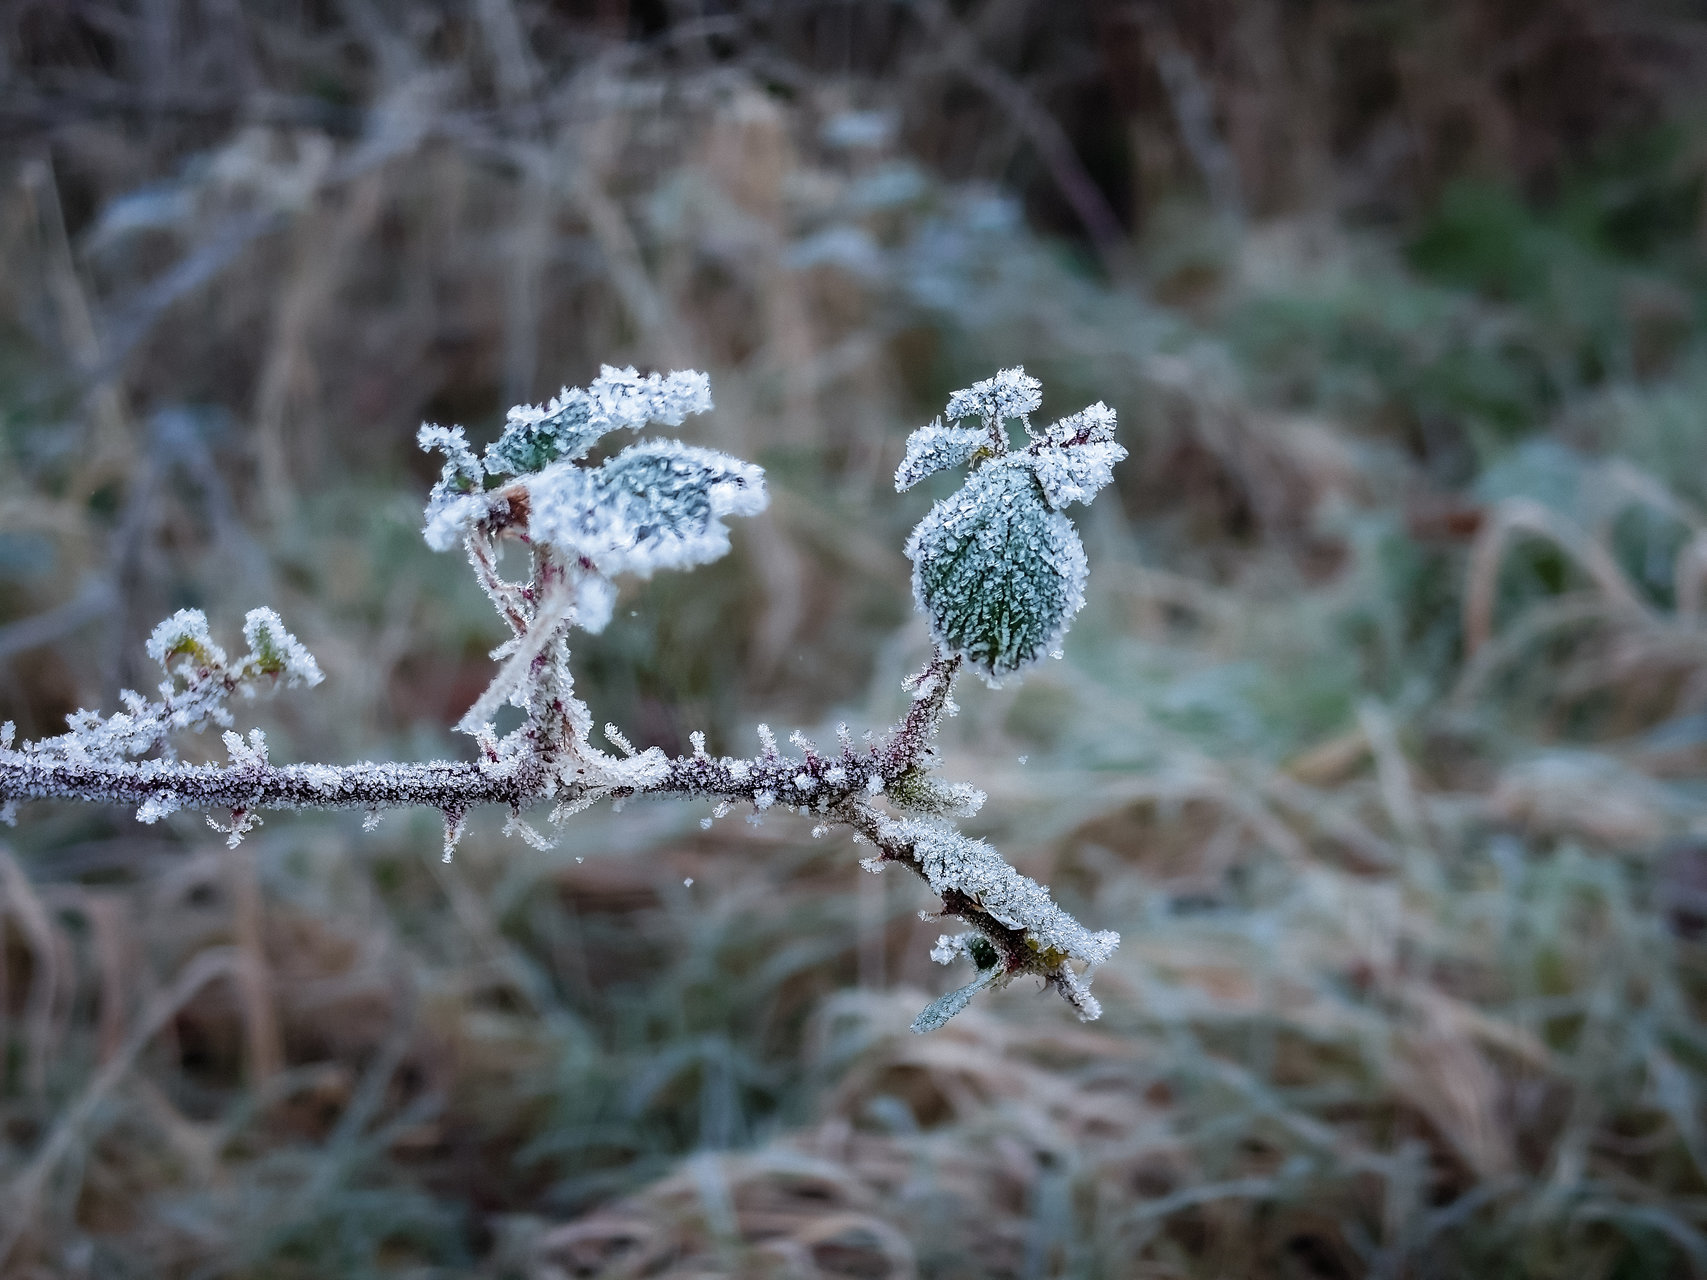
{"x":933,"y":448}
{"x":184,"y":635}
{"x":274,"y":651}
{"x":1010,"y":394}
{"x":536,"y":436}
{"x":462,"y":470}
{"x":456,"y":497}
{"x":447,"y":519}
{"x":657,"y":504}
{"x":998,"y":574}
{"x":1094,"y":424}
{"x":940,"y":1010}
{"x":1075,"y":474}
{"x":917,"y":792}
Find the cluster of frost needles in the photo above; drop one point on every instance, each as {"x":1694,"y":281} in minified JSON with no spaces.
{"x":998,"y":570}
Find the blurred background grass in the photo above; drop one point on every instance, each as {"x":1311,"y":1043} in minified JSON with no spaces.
{"x":1380,"y":738}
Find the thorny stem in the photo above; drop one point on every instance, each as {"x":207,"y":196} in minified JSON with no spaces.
{"x":835,"y":789}
{"x":822,"y":785}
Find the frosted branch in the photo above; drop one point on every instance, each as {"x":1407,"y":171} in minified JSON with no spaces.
{"x":998,"y":571}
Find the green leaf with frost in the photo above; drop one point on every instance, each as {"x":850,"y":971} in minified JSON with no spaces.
{"x":564,"y":428}
{"x":658,"y":504}
{"x":998,"y":574}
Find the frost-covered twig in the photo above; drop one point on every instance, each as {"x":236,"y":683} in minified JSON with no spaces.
{"x":998,"y":571}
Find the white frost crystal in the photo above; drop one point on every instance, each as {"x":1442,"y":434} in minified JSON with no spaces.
{"x":953,"y":862}
{"x":274,"y":651}
{"x":1010,"y":394}
{"x":184,"y":635}
{"x":933,"y":448}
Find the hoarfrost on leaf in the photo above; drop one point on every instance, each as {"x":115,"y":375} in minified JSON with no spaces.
{"x":997,"y":574}
{"x":274,"y":651}
{"x":184,"y":635}
{"x":1010,"y":394}
{"x":656,"y":505}
{"x":936,"y":447}
{"x":952,"y":862}
{"x":1094,"y":424}
{"x":536,"y":436}
{"x":1076,"y":474}
{"x":456,"y":498}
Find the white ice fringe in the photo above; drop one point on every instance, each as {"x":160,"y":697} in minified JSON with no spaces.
{"x":953,"y":862}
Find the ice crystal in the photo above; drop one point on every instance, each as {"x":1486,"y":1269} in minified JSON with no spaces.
{"x":536,"y":436}
{"x":934,"y":448}
{"x":158,"y":806}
